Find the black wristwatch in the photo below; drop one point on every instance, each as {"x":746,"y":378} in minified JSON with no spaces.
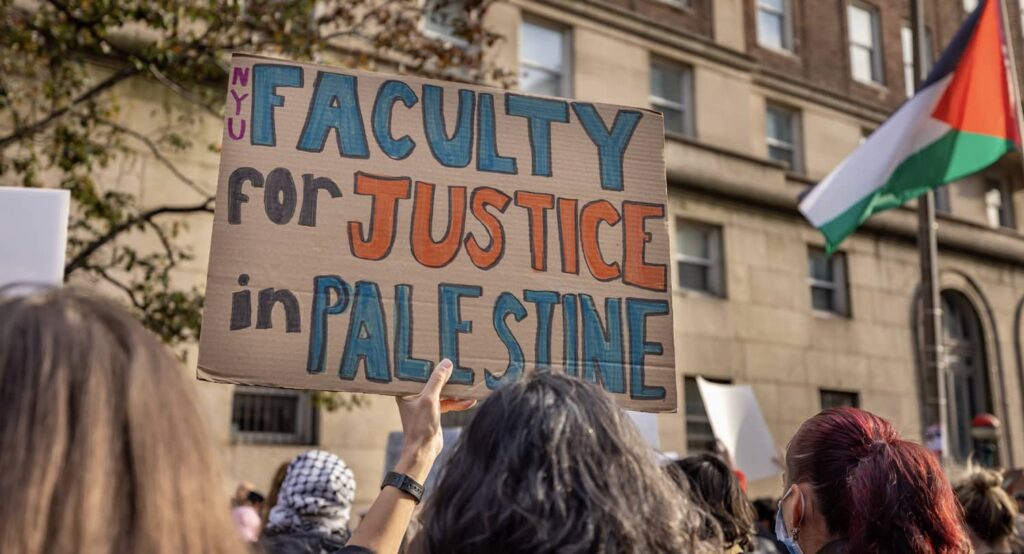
{"x":404,"y":483}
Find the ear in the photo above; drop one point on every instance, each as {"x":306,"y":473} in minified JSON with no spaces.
{"x":804,"y":504}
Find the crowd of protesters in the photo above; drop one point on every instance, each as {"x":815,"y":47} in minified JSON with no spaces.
{"x":105,"y":451}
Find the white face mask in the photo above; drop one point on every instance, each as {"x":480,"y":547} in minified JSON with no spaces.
{"x":781,"y":533}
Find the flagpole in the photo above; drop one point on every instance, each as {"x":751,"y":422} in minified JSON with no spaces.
{"x":931,"y":354}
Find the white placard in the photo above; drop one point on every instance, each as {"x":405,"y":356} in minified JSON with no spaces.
{"x":33,"y":235}
{"x":647,"y":424}
{"x":737,"y":421}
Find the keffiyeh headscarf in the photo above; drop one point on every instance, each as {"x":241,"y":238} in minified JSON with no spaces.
{"x":316,"y":496}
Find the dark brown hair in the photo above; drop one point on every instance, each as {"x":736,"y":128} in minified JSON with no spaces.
{"x":550,"y":464}
{"x":882,"y":493}
{"x":989,"y":511}
{"x":102,"y":447}
{"x":715,"y":489}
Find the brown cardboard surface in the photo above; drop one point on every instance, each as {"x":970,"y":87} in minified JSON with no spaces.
{"x":386,"y":313}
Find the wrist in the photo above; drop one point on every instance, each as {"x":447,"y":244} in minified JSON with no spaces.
{"x":416,"y":463}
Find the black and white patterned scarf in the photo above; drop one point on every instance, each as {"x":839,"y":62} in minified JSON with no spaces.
{"x":316,"y":496}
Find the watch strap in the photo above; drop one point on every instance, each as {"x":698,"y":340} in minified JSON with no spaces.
{"x":404,"y":483}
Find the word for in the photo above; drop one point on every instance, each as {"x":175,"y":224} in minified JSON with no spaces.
{"x":334,"y":107}
{"x":577,"y":226}
{"x":591,"y":348}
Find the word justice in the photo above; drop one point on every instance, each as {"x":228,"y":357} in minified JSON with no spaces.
{"x":577,"y":230}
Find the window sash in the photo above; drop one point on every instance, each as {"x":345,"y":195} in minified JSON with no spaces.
{"x":870,"y":44}
{"x":712,"y":264}
{"x":782,"y":18}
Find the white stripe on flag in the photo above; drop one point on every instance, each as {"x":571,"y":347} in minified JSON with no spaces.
{"x":908,"y":131}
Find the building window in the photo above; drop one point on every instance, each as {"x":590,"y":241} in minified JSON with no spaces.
{"x":273,"y":416}
{"x":839,"y":399}
{"x":942,"y":205}
{"x":774,"y":27}
{"x":827,"y":279}
{"x":544,"y":56}
{"x":865,"y":44}
{"x":672,"y":95}
{"x":782,"y":134}
{"x":440,"y":16}
{"x":907,"y":44}
{"x":678,"y":3}
{"x":699,"y":436}
{"x":967,"y":385}
{"x":999,"y":203}
{"x":698,"y":257}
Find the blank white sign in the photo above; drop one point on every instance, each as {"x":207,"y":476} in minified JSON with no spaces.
{"x":737,"y":421}
{"x":33,"y":235}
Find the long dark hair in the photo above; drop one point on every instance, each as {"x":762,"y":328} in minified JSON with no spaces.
{"x":550,"y":464}
{"x":102,"y":447}
{"x":716,"y":491}
{"x":881,"y":492}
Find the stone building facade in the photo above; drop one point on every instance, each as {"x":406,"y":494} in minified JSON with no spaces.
{"x":762,"y":99}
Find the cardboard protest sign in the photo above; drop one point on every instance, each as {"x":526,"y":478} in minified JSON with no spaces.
{"x":369,"y":225}
{"x":33,"y":235}
{"x":737,"y":421}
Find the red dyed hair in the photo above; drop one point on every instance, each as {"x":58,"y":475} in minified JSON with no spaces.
{"x":883,"y":493}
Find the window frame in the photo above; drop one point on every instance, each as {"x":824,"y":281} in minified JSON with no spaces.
{"x":796,"y":130}
{"x":877,"y":55}
{"x":307,"y":418}
{"x":906,"y":31}
{"x":698,"y":419}
{"x":1005,"y":208}
{"x":685,"y":104}
{"x":838,"y":287}
{"x":786,"y":14}
{"x":445,"y":34}
{"x":565,"y":32}
{"x":822,"y":392}
{"x":715,"y":263}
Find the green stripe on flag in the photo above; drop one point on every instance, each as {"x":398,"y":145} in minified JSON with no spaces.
{"x":954,"y":156}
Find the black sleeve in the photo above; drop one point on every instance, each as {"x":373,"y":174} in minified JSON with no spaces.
{"x":355,"y":550}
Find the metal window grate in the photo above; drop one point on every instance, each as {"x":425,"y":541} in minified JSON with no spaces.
{"x":273,"y":416}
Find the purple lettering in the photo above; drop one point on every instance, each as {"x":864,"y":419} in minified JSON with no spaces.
{"x":231,"y":129}
{"x":240,"y":75}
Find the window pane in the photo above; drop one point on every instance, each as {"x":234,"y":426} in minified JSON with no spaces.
{"x":839,"y":399}
{"x":693,"y":240}
{"x":541,"y":45}
{"x":942,"y":200}
{"x":442,"y":14}
{"x":673,"y":119}
{"x":860,"y":64}
{"x":694,"y":276}
{"x":860,"y":21}
{"x":780,"y":125}
{"x":771,"y":30}
{"x":539,"y":81}
{"x":667,"y":82}
{"x":819,"y":267}
{"x":822,"y":299}
{"x":783,"y":155}
{"x":778,"y":5}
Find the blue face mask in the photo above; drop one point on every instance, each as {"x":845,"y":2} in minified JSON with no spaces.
{"x":780,"y":529}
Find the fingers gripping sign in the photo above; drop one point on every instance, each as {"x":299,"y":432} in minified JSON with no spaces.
{"x":421,"y":422}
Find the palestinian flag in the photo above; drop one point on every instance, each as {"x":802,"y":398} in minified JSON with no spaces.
{"x":962,"y":120}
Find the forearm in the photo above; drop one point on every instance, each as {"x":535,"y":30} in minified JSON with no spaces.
{"x":385,"y":524}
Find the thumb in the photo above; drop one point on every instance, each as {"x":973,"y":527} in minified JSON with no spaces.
{"x":442,"y":371}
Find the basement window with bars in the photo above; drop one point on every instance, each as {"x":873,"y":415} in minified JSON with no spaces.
{"x":261,"y":415}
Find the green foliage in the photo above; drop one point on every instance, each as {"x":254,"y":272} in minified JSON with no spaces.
{"x":62,"y":63}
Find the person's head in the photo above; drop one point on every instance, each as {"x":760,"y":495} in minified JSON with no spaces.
{"x":550,"y":464}
{"x":989,"y":511}
{"x":315,"y":497}
{"x":765,"y":510}
{"x":255,"y":500}
{"x":716,"y":491}
{"x":103,"y":448}
{"x":850,"y":475}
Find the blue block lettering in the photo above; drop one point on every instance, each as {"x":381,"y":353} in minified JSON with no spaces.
{"x":323,"y":286}
{"x":487,"y":156}
{"x":265,"y":80}
{"x":407,"y":368}
{"x":611,"y":145}
{"x":367,"y":338}
{"x":451,"y":324}
{"x":539,"y":113}
{"x":545,"y":301}
{"x":389,"y":93}
{"x":457,"y":150}
{"x":507,"y":304}
{"x":637,"y":311}
{"x":602,"y":348}
{"x":335,"y":105}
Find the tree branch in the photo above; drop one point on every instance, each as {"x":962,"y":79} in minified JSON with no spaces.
{"x":33,"y":128}
{"x":145,"y":217}
{"x":159,"y":155}
{"x":183,"y":92}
